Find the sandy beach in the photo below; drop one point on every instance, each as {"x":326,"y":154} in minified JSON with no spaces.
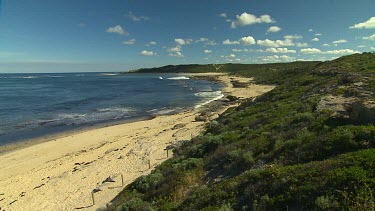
{"x":62,"y":173}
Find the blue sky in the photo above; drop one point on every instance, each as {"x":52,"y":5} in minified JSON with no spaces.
{"x":119,"y":35}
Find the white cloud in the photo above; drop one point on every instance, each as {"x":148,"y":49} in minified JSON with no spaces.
{"x":207,"y":51}
{"x":280,"y":50}
{"x":175,"y":49}
{"x":372,"y":37}
{"x":177,"y":54}
{"x":152,"y":43}
{"x":339,"y":41}
{"x":117,"y":30}
{"x":202,"y":39}
{"x":369,"y":24}
{"x":293,"y":37}
{"x":148,"y":53}
{"x":129,"y":42}
{"x":318,"y":34}
{"x":137,"y":18}
{"x":276,"y":58}
{"x":273,"y":29}
{"x":318,"y":51}
{"x":276,"y":43}
{"x":311,"y":30}
{"x":361,"y":46}
{"x":210,"y":42}
{"x":231,"y":56}
{"x":315,"y":39}
{"x":342,"y":51}
{"x":326,"y":45}
{"x":180,"y":41}
{"x":310,"y":51}
{"x":249,"y":40}
{"x":248,"y":19}
{"x":228,"y":42}
{"x":223,"y":15}
{"x":302,"y":45}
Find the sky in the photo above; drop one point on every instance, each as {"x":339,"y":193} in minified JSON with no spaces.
{"x":121,"y":35}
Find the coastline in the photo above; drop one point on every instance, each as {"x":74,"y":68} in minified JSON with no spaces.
{"x":61,"y":173}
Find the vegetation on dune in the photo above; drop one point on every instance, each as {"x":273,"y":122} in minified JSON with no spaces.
{"x":307,"y":145}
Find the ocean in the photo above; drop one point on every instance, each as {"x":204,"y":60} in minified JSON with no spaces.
{"x":33,"y":105}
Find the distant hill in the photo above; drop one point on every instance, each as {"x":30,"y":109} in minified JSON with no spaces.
{"x":306,"y":145}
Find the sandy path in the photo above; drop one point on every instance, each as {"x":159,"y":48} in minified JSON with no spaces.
{"x":61,"y":174}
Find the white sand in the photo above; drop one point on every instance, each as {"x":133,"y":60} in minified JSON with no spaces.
{"x":61,"y":174}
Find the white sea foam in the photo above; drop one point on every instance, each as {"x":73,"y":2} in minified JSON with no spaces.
{"x":109,"y":74}
{"x":208,"y":94}
{"x":161,"y":78}
{"x":179,"y":78}
{"x":212,"y":96}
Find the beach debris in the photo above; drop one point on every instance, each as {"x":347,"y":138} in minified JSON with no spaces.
{"x":178,"y":126}
{"x":121,"y":157}
{"x":39,"y":186}
{"x":95,"y":190}
{"x":109,"y":151}
{"x":12,"y":202}
{"x":22,"y":194}
{"x":2,"y":194}
{"x":108,"y":179}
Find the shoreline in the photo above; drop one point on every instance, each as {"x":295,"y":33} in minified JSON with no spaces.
{"x":60,"y":174}
{"x":22,"y":141}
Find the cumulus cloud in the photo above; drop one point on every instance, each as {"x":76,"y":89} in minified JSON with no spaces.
{"x":293,"y":37}
{"x":311,"y":30}
{"x":175,"y":49}
{"x":310,"y":51}
{"x":229,"y":42}
{"x":318,"y":51}
{"x":129,"y":42}
{"x":210,"y":42}
{"x":276,"y":58}
{"x":315,"y":39}
{"x":207,"y":51}
{"x":369,"y":24}
{"x":152,"y":43}
{"x":302,"y":45}
{"x":280,"y":50}
{"x":223,"y":15}
{"x":318,"y":34}
{"x":326,"y":45}
{"x":249,"y":40}
{"x":148,"y":53}
{"x":177,"y":54}
{"x":180,"y":41}
{"x":137,"y":18}
{"x":339,"y":41}
{"x":372,"y":37}
{"x":117,"y":30}
{"x":273,"y":29}
{"x":275,"y":43}
{"x":202,"y":39}
{"x":249,"y":19}
{"x":231,"y":56}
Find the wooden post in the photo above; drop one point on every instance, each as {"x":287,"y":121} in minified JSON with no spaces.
{"x":149,"y":164}
{"x":122,"y":180}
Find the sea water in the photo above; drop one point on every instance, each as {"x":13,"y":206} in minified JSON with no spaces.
{"x":32,"y":105}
